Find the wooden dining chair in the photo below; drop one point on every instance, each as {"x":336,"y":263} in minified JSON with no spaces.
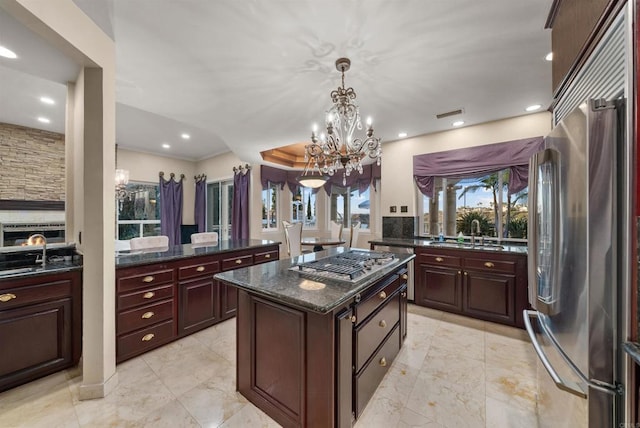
{"x":355,"y":230}
{"x":204,"y":237}
{"x":149,"y":242}
{"x":336,"y":230}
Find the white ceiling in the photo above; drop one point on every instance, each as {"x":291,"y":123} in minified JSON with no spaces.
{"x":252,"y":75}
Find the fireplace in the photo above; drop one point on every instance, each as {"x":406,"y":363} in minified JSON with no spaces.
{"x":16,"y":234}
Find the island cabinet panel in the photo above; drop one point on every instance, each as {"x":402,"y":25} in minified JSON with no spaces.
{"x":308,"y":369}
{"x":40,"y":326}
{"x":157,"y":303}
{"x":486,"y":285}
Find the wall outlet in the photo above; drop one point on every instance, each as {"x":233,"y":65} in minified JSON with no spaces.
{"x":404,"y":208}
{"x":393,"y":208}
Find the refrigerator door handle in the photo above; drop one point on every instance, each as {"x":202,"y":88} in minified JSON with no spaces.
{"x":568,"y":386}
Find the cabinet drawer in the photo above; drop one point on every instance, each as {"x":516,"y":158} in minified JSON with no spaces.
{"x":490,"y":265}
{"x":144,"y":296}
{"x":200,"y":269}
{"x":265,"y":256}
{"x":237,"y":262}
{"x":371,"y":376}
{"x":370,"y":334}
{"x":146,"y":279}
{"x":371,"y":302}
{"x":13,"y":297}
{"x":144,"y":316}
{"x":140,"y":341}
{"x":439,"y":259}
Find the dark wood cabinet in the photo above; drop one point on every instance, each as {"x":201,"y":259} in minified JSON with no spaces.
{"x":477,"y":283}
{"x":40,"y":326}
{"x":159,"y":302}
{"x":308,"y":369}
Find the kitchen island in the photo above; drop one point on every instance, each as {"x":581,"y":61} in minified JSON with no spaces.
{"x":311,"y":350}
{"x":163,"y":294}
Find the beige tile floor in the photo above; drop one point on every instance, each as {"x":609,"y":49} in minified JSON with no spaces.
{"x":452,"y":372}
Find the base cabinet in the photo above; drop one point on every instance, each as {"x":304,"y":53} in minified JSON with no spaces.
{"x":160,"y":302}
{"x":40,"y":326}
{"x":475,"y":283}
{"x":309,"y":369}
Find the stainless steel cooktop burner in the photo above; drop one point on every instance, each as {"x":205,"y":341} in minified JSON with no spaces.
{"x":350,"y":266}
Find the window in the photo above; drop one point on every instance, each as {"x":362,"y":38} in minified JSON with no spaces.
{"x":349,"y":206}
{"x":270,"y":207}
{"x":457,"y":202}
{"x":139,"y":213}
{"x":219,"y":198}
{"x":303,"y":207}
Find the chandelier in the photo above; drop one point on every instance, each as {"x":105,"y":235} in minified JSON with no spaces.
{"x":339,"y":148}
{"x":122,"y":179}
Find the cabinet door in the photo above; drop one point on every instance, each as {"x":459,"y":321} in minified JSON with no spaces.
{"x":490,"y":296}
{"x":198,"y":305}
{"x":228,"y":300}
{"x":40,"y":341}
{"x":439,"y":288}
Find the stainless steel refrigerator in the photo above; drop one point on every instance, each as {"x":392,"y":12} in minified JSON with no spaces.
{"x":573,"y":273}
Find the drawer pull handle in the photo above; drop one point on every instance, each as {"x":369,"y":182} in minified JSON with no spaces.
{"x":383,"y":361}
{"x":238,"y":261}
{"x":382,"y":295}
{"x":489,"y":264}
{"x":200,"y":268}
{"x":459,"y":272}
{"x":439,"y":259}
{"x":7,"y":297}
{"x":404,"y":294}
{"x":148,"y":337}
{"x":353,"y":319}
{"x":405,"y":276}
{"x":382,"y":323}
{"x":267,"y":256}
{"x":465,"y":274}
{"x":147,"y":315}
{"x":149,"y":278}
{"x":148,"y":295}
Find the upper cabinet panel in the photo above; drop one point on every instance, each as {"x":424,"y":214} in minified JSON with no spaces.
{"x":576,"y":26}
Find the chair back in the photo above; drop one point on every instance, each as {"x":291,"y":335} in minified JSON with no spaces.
{"x":202,"y":237}
{"x":355,"y":230}
{"x":122,"y":245}
{"x":292,"y":237}
{"x":149,"y":242}
{"x":336,"y":230}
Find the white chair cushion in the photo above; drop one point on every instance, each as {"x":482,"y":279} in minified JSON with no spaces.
{"x":149,"y":242}
{"x":199,"y":238}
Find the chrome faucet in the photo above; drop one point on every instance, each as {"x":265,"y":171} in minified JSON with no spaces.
{"x":473,"y":234}
{"x":36,"y":239}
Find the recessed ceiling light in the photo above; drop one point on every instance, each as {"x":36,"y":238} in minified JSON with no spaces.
{"x":549,"y":56}
{"x":533,"y":107}
{"x":7,"y":53}
{"x":47,"y":100}
{"x":44,"y":120}
{"x":185,"y":136}
{"x":402,"y":135}
{"x":458,"y":123}
{"x":166,"y":146}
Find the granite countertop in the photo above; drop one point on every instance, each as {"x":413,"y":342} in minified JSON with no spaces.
{"x":633,"y":349}
{"x":274,"y":280}
{"x":154,"y":255}
{"x":425,"y":242}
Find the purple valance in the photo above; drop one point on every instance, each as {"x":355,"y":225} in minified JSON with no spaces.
{"x":280,"y":177}
{"x":477,"y":161}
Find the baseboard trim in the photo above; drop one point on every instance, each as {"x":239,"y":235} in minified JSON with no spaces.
{"x":98,"y":390}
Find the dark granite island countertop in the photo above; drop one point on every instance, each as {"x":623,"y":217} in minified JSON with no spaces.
{"x":274,"y":280}
{"x":155,"y":255}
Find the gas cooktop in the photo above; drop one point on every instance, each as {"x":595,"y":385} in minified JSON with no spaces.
{"x":350,"y":266}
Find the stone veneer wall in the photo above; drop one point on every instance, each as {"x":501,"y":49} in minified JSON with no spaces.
{"x":32,"y":164}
